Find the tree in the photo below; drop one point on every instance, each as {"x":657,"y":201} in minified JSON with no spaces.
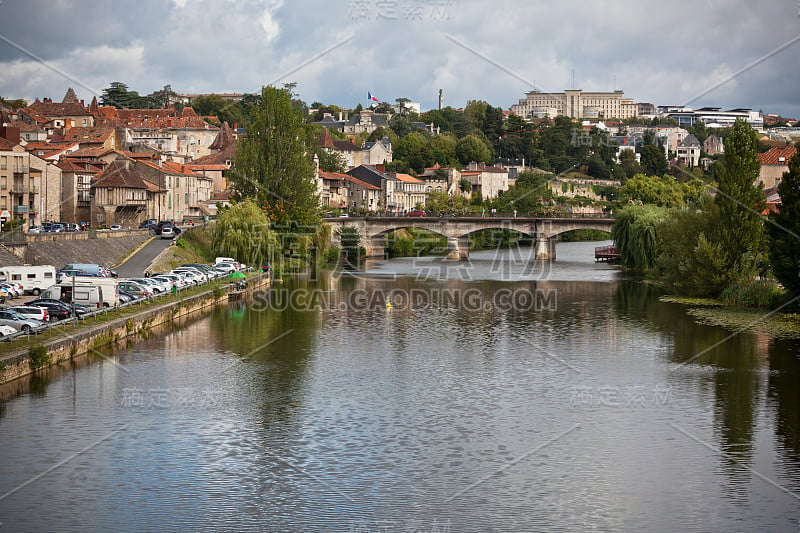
{"x":118,"y":95}
{"x":658,"y":190}
{"x":215,"y":105}
{"x":243,"y":231}
{"x":740,"y":203}
{"x":635,"y":233}
{"x":273,"y":162}
{"x":472,"y":148}
{"x":653,"y":161}
{"x":783,"y":231}
{"x":628,"y":163}
{"x":689,"y":262}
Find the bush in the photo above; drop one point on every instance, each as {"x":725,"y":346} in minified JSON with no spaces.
{"x":38,"y":356}
{"x":332,"y":255}
{"x":758,"y":294}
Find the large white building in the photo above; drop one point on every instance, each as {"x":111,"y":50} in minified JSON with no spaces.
{"x":576,"y":103}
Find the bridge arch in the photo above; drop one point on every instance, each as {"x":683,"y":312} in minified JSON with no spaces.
{"x":457,"y":230}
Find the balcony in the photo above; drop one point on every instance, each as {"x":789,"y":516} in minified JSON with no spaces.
{"x":135,"y":201}
{"x":20,"y":209}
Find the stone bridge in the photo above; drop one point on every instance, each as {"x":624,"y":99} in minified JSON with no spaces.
{"x":457,"y":230}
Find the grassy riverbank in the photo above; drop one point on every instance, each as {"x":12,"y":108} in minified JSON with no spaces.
{"x":770,"y":322}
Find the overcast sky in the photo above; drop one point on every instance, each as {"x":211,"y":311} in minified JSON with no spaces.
{"x":726,"y":53}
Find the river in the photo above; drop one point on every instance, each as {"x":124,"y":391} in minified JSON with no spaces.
{"x":419,"y":395}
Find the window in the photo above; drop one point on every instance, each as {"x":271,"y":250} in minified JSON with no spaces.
{"x":3,"y":162}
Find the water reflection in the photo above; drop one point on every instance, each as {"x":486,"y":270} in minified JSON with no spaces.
{"x":367,"y":407}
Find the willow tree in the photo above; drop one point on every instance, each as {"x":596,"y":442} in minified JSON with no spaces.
{"x":273,"y":163}
{"x":636,"y":235}
{"x":242,"y":231}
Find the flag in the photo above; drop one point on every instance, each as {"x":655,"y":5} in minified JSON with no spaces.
{"x":370,"y":97}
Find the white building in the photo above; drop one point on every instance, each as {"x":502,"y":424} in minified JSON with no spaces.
{"x":576,"y":103}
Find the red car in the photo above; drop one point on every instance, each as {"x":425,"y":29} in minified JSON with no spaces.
{"x":416,"y":213}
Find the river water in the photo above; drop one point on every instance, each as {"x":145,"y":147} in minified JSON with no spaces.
{"x":418,"y":395}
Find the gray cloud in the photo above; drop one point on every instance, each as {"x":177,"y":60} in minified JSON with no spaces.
{"x":663,"y":53}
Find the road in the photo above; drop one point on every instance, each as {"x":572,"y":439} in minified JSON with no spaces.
{"x":135,"y":266}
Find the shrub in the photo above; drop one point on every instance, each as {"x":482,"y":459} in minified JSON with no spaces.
{"x":38,"y":356}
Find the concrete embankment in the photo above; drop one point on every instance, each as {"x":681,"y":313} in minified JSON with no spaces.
{"x":116,"y":332}
{"x":103,"y":247}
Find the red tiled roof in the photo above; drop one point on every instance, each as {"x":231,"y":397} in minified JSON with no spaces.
{"x":360,"y":183}
{"x":60,"y":109}
{"x":86,"y":135}
{"x":72,"y":166}
{"x":5,"y":144}
{"x":118,"y":175}
{"x":773,"y":155}
{"x":408,"y":179}
{"x":333,"y":175}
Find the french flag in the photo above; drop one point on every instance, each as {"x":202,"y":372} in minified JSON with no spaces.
{"x":370,"y":97}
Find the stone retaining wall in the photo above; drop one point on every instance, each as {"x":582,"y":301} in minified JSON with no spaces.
{"x":71,"y":345}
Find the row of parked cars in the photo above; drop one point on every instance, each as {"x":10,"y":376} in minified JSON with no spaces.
{"x":58,"y":302}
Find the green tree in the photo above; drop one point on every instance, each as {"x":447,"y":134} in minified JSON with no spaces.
{"x":215,"y":105}
{"x":783,"y":231}
{"x":740,"y":202}
{"x":273,"y":162}
{"x":243,"y":231}
{"x":628,"y":163}
{"x":689,"y":262}
{"x":658,"y":190}
{"x":653,"y":161}
{"x":635,"y":233}
{"x":473,"y":148}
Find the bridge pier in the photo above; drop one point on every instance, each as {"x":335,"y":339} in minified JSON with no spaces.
{"x":376,"y":248}
{"x":545,"y":247}
{"x":457,"y":248}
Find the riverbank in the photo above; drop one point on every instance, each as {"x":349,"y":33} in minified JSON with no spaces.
{"x":120,"y":327}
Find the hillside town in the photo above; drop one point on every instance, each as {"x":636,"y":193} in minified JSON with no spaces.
{"x":101,"y":165}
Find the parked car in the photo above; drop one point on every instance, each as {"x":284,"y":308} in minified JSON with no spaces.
{"x":167,"y":232}
{"x":416,"y":213}
{"x":125,"y":297}
{"x":135,"y":289}
{"x":155,"y":285}
{"x":19,"y":322}
{"x":12,"y":289}
{"x":177,"y":281}
{"x":225,"y":267}
{"x":56,"y":228}
{"x":32,"y":311}
{"x":35,"y":229}
{"x":201,"y":277}
{"x":54,"y":311}
{"x":115,"y":227}
{"x":80,"y":309}
{"x":6,"y":330}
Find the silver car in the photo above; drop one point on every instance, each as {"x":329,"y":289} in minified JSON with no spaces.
{"x":19,"y":322}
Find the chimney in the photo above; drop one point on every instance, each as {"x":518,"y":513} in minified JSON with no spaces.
{"x":84,"y":105}
{"x":380,"y":167}
{"x":10,"y":133}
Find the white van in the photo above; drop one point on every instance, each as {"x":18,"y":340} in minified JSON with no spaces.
{"x":34,"y":279}
{"x":90,"y":295}
{"x":109,"y":292}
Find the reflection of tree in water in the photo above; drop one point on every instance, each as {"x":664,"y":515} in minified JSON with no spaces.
{"x":784,"y":391}
{"x":278,"y":340}
{"x":733,"y":356}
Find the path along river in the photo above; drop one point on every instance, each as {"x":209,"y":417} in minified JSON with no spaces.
{"x":493,"y":395}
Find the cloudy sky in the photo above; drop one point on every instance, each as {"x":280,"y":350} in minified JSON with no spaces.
{"x":727,"y":53}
